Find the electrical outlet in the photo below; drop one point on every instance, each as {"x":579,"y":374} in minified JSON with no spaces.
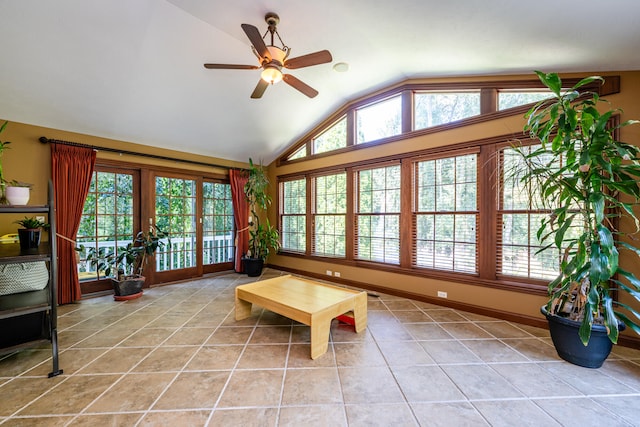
{"x":442,"y":294}
{"x":336,"y":273}
{"x":329,"y":272}
{"x":40,"y":218}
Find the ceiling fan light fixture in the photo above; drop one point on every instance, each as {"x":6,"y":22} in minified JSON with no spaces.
{"x":271,"y":74}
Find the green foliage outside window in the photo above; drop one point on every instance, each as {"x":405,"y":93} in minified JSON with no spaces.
{"x":437,"y":108}
{"x":510,"y":99}
{"x":331,"y":139}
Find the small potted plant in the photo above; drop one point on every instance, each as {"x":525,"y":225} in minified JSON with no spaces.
{"x":127,"y":263}
{"x":263,"y":237}
{"x":29,"y":235}
{"x":590,"y":184}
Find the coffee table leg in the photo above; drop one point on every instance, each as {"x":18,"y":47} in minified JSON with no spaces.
{"x":360,"y":312}
{"x":319,"y":337}
{"x":243,"y":309}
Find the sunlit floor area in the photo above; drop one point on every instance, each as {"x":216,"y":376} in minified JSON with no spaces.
{"x":177,"y":357}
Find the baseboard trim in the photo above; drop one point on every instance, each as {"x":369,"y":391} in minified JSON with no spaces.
{"x":625,"y":341}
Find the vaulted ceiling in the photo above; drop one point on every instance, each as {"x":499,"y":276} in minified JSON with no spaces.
{"x":133,"y":70}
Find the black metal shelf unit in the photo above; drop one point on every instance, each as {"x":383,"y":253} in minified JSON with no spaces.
{"x":27,"y":318}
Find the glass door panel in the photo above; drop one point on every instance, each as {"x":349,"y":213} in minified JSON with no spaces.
{"x":175,"y":214}
{"x":217,"y":227}
{"x":107,"y":224}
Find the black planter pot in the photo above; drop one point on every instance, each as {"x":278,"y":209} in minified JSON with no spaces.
{"x":127,"y":289}
{"x":565,"y":337}
{"x":253,"y":266}
{"x":29,"y":239}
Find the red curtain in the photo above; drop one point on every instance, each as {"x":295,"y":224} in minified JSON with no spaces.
{"x":238,"y":180}
{"x":71,"y":170}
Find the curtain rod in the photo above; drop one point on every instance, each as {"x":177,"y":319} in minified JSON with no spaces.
{"x":46,"y":140}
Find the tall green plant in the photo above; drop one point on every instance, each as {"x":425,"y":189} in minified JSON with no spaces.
{"x":590,"y":181}
{"x":262,"y":237}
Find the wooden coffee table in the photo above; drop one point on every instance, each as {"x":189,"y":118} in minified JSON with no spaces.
{"x":306,"y":301}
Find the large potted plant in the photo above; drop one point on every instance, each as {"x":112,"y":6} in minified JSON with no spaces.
{"x":263,"y":237}
{"x":590,"y":184}
{"x":127,"y":263}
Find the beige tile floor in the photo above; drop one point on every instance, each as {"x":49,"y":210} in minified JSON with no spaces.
{"x":177,"y":357}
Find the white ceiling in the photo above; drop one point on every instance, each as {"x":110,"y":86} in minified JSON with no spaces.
{"x":133,"y":70}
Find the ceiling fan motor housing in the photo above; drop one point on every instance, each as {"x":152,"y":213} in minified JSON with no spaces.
{"x":272,"y":19}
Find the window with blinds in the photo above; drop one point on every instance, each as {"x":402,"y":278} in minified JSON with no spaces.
{"x":378,"y":214}
{"x":329,"y":215}
{"x":446,"y":213}
{"x":293,"y":231}
{"x":520,"y":212}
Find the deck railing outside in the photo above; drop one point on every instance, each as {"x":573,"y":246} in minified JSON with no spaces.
{"x":179,"y":254}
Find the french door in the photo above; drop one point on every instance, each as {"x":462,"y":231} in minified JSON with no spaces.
{"x":198,"y":216}
{"x":196,"y":212}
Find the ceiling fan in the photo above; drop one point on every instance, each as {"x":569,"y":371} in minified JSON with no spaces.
{"x":273,"y":58}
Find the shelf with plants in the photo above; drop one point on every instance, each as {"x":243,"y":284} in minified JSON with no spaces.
{"x":30,"y":317}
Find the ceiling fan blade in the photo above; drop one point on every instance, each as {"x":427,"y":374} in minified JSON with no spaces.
{"x":230,"y":67}
{"x":320,"y":57}
{"x":298,"y":84}
{"x":256,"y":40}
{"x":259,"y":90}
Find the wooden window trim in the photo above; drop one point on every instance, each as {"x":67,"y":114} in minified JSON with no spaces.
{"x":488,"y":110}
